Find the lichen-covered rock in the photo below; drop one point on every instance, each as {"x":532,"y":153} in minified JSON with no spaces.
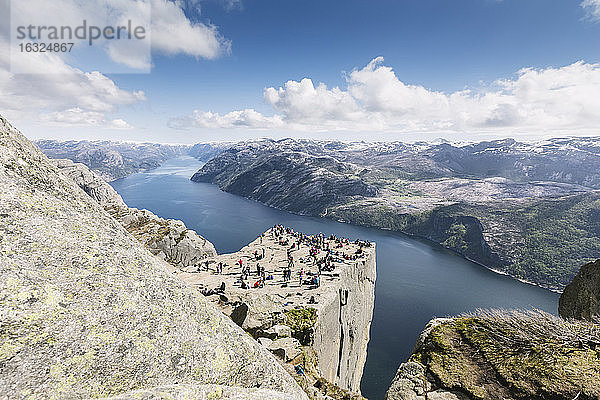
{"x":90,"y":182}
{"x":409,"y":383}
{"x":169,"y":239}
{"x":201,"y":392}
{"x":581,"y":297}
{"x":502,"y":355}
{"x":87,"y":312}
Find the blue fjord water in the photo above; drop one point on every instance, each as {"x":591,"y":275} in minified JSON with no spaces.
{"x":416,"y":280}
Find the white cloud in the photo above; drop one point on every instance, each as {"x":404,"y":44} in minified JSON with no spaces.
{"x":78,"y":117}
{"x":375,"y":99}
{"x":592,"y":9}
{"x":174,"y":33}
{"x":57,"y":93}
{"x":242,"y":119}
{"x":168,"y":29}
{"x":67,"y":95}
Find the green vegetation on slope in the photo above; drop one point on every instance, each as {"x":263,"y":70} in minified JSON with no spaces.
{"x":542,"y":241}
{"x":302,"y":321}
{"x":558,"y":235}
{"x":528,"y":355}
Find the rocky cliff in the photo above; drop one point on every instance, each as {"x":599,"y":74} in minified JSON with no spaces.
{"x":581,"y":297}
{"x":87,"y":312}
{"x":341,"y":332}
{"x":502,"y":355}
{"x":168,"y":239}
{"x":486,"y":201}
{"x":287,"y":179}
{"x":331,"y":319}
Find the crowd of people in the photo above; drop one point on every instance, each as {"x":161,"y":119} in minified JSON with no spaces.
{"x":322,"y":255}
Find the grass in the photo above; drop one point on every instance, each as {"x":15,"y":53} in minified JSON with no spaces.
{"x":518,"y":354}
{"x":301,"y":319}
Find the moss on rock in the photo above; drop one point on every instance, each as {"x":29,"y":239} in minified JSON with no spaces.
{"x":514,"y":355}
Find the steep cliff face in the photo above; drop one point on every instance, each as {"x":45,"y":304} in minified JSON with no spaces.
{"x":502,"y":355}
{"x":341,"y":332}
{"x":503,"y":216}
{"x":331,"y":320}
{"x":90,"y":182}
{"x":289,"y":180}
{"x":87,"y":312}
{"x":581,"y":297}
{"x":168,"y":239}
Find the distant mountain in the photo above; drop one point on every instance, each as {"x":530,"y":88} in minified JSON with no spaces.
{"x":114,"y":160}
{"x":531,"y":210}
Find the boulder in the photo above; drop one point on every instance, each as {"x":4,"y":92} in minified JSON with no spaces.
{"x":265,"y":342}
{"x":279,"y":331}
{"x":286,"y":348}
{"x":581,"y":297}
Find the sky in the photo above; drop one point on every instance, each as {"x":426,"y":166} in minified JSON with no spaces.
{"x":213,"y":70}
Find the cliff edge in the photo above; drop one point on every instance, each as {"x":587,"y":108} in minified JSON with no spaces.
{"x":317,"y":316}
{"x":502,"y":355}
{"x":168,"y":239}
{"x":87,"y":312}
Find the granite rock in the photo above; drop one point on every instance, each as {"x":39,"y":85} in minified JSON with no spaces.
{"x":581,"y":297}
{"x":86,"y":311}
{"x":169,"y":239}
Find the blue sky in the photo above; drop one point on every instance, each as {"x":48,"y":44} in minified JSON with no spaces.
{"x":438,"y":46}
